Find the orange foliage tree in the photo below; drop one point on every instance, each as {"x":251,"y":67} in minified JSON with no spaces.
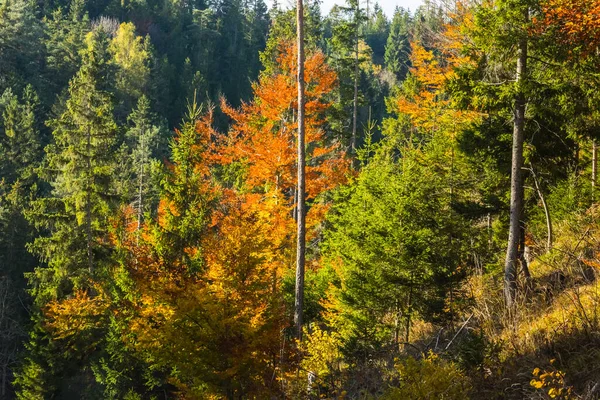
{"x":263,"y":136}
{"x":206,"y":303}
{"x":424,"y":99}
{"x":575,"y":23}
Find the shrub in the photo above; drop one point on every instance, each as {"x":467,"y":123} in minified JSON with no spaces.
{"x":429,"y":378}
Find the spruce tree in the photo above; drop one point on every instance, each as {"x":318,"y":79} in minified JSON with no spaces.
{"x":143,"y":138}
{"x":397,"y":48}
{"x":20,"y":44}
{"x":20,"y":144}
{"x":73,"y":219}
{"x":377,"y":32}
{"x":20,"y":153}
{"x":347,"y":36}
{"x":64,"y":43}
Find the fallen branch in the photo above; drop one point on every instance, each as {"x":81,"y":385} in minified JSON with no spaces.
{"x":459,"y":331}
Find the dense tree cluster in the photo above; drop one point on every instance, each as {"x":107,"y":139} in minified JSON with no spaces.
{"x":149,"y":200}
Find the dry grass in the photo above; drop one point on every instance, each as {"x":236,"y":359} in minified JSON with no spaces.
{"x":557,"y":319}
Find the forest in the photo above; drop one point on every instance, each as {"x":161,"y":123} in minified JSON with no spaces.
{"x":220,"y":199}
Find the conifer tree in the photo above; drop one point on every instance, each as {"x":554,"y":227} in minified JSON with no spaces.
{"x":144,"y":138}
{"x":498,"y":31}
{"x":73,"y":219}
{"x":283,"y":30}
{"x":377,"y":33}
{"x":347,"y":34}
{"x":80,"y":164}
{"x":397,"y":48}
{"x":20,"y":146}
{"x":66,"y":30}
{"x":258,"y":28}
{"x":20,"y":44}
{"x":20,"y":153}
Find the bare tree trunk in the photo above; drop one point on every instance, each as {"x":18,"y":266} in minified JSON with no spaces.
{"x":355,"y":101}
{"x":140,"y":200}
{"x":397,"y":325}
{"x":594,"y":166}
{"x":140,"y":192}
{"x":516,"y":181}
{"x":546,"y":209}
{"x":489,"y":231}
{"x":301,"y":223}
{"x":88,"y":205}
{"x":408,"y":313}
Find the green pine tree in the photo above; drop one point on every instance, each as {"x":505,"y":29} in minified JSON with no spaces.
{"x":73,"y":219}
{"x":143,"y":139}
{"x":397,"y":48}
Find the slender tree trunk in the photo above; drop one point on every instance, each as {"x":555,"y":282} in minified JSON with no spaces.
{"x":489,"y":231}
{"x":140,"y":202}
{"x":301,"y":239}
{"x":397,"y":325}
{"x":521,"y":255}
{"x":88,"y":201}
{"x":140,"y":197}
{"x":355,"y":102}
{"x":594,"y":166}
{"x":548,"y":222}
{"x":546,"y":209}
{"x":408,"y":313}
{"x":516,"y":181}
{"x":4,"y":379}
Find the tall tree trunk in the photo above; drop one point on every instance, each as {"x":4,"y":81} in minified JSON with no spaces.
{"x":140,"y":200}
{"x":301,"y":213}
{"x":594,"y":166}
{"x":516,"y":180}
{"x":88,"y":201}
{"x":355,"y":101}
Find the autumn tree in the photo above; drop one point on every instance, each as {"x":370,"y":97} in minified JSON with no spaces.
{"x":573,"y":23}
{"x":209,"y":303}
{"x":261,"y":146}
{"x":132,"y":56}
